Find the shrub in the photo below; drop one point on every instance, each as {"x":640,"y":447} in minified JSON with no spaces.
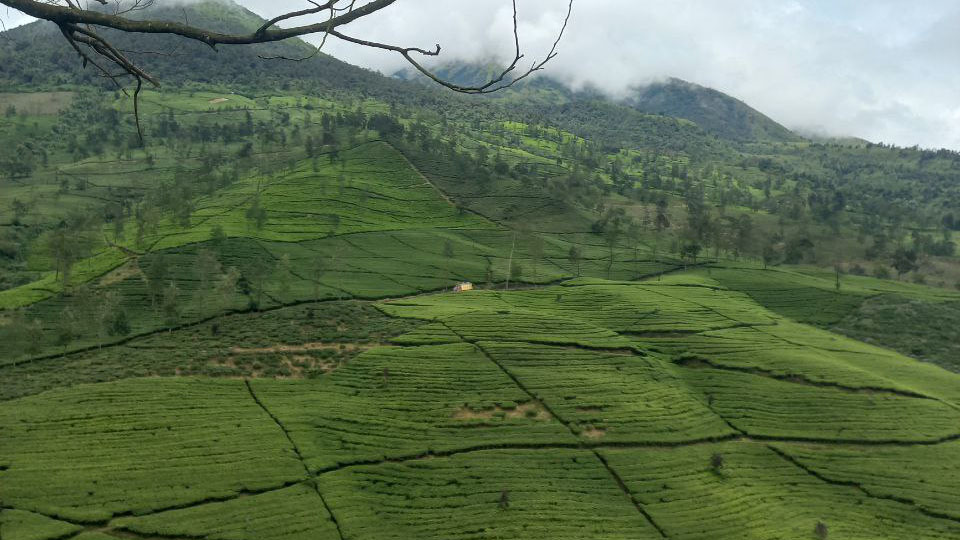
{"x":504,"y":499}
{"x":820,"y":530}
{"x":881,"y":272}
{"x":717,"y":462}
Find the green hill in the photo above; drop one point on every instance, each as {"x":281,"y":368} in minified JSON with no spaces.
{"x":710,"y":109}
{"x":247,"y":328}
{"x":52,"y":63}
{"x":716,"y":113}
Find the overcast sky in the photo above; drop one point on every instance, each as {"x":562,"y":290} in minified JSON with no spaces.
{"x":885,"y":70}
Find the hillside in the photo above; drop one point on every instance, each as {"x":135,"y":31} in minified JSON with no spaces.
{"x":247,"y":328}
{"x":52,"y":63}
{"x":714,"y":111}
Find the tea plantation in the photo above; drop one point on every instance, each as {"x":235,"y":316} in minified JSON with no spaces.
{"x":492,"y":414}
{"x":287,"y":361}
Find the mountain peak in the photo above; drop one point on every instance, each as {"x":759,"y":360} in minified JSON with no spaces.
{"x":713,"y":110}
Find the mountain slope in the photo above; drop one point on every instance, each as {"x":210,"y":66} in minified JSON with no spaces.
{"x":715,"y":112}
{"x":711,"y":109}
{"x":36,"y":56}
{"x":262,"y":342}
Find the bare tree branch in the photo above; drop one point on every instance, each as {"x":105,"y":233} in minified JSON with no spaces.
{"x":73,"y":14}
{"x":78,"y":27}
{"x":495,"y":84}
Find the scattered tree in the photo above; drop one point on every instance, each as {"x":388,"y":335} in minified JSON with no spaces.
{"x":661,"y":222}
{"x":318,"y":267}
{"x":217,"y":236}
{"x":118,"y":323}
{"x":448,"y":254}
{"x":536,"y":252}
{"x":821,"y":531}
{"x":634,"y":233}
{"x":256,"y":214}
{"x":227,"y":286}
{"x":516,"y":271}
{"x":510,"y":266}
{"x":156,"y":275}
{"x":690,"y":251}
{"x":169,"y":305}
{"x":488,"y":274}
{"x":771,"y":256}
{"x":207,"y":266}
{"x":904,"y":261}
{"x":284,"y":274}
{"x":575,"y":256}
{"x":68,"y":327}
{"x":258,"y":273}
{"x":21,"y":335}
{"x":717,"y":462}
{"x":20,"y":210}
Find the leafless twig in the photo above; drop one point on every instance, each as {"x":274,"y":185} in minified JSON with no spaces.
{"x":78,"y":25}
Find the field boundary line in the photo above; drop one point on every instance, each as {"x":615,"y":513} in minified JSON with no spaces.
{"x":533,"y":447}
{"x":859,"y":487}
{"x":804,"y":381}
{"x":438,"y":190}
{"x":616,"y":477}
{"x":296,"y":450}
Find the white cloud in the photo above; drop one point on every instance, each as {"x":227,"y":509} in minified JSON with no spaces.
{"x":10,"y":18}
{"x":885,"y":70}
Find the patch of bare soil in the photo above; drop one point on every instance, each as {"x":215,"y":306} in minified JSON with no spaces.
{"x":593,"y":409}
{"x":214,"y":101}
{"x":594,"y":433}
{"x":293,"y":366}
{"x":129,"y":270}
{"x":532,"y":410}
{"x":306,"y":347}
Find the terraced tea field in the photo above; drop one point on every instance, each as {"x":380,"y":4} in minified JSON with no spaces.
{"x":364,"y":225}
{"x":286,"y":361}
{"x":587,"y":409}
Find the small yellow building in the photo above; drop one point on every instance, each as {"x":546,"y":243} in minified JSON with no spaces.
{"x":463,"y":287}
